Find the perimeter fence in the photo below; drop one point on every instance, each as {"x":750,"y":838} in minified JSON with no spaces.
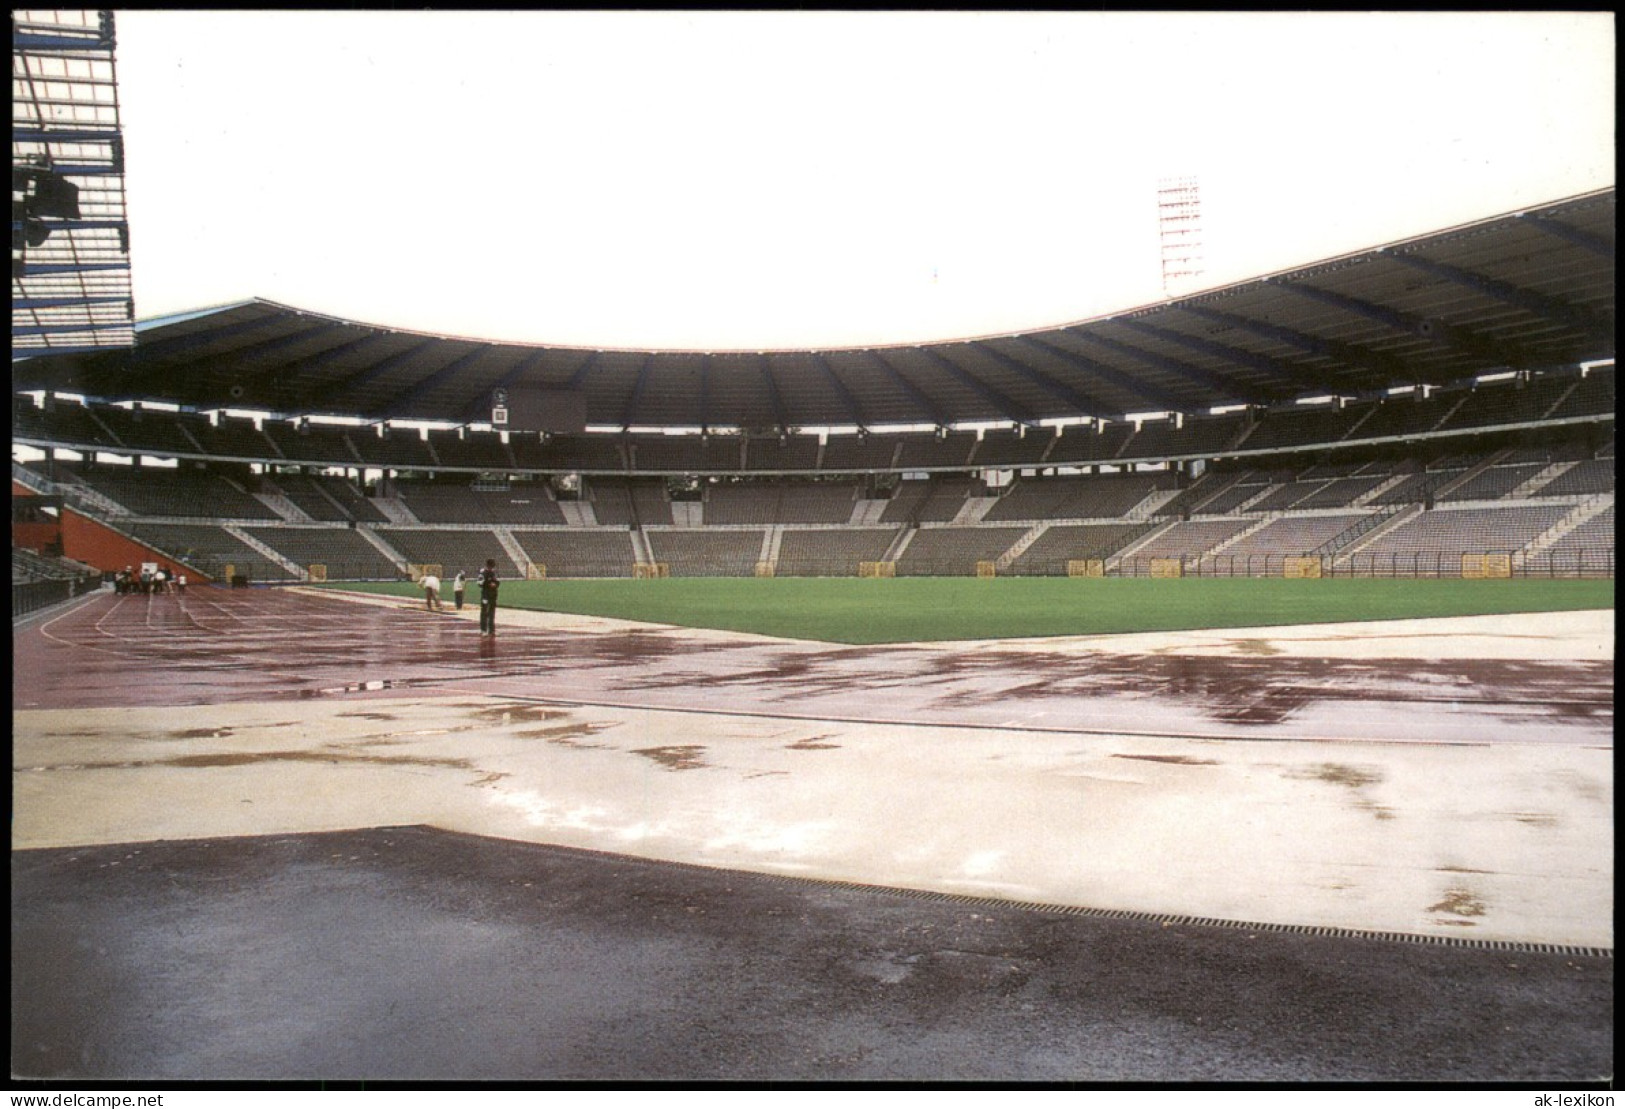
{"x":1588,"y":562}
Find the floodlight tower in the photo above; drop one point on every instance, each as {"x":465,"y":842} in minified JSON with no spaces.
{"x":1179,"y":224}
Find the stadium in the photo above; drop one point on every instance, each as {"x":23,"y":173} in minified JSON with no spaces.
{"x":1218,"y":689}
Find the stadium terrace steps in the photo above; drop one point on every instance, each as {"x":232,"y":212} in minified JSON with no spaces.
{"x":396,"y":558}
{"x":283,"y":507}
{"x":1020,"y":546}
{"x":1576,"y":519}
{"x":510,"y":547}
{"x":867,"y":512}
{"x":269,"y":553}
{"x":1545,"y":477}
{"x":395,"y":511}
{"x":578,"y":514}
{"x":1140,"y":544}
{"x":1225,"y":544}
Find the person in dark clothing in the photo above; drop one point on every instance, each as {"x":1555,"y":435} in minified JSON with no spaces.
{"x":488,"y":597}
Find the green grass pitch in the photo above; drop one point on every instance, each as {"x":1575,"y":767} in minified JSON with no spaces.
{"x":904,"y":610}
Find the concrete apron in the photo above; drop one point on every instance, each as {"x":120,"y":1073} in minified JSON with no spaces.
{"x":1508,"y":841}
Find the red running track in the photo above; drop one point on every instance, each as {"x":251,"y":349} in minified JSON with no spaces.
{"x":215,"y":646}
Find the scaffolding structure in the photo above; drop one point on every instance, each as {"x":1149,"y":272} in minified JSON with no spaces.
{"x":70,"y":233}
{"x":1179,"y":225}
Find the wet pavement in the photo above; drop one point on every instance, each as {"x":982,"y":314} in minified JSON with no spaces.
{"x":220,"y":646}
{"x":405,"y":953}
{"x":221,"y":756}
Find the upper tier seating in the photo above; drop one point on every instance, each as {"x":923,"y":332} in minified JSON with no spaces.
{"x":324,"y":444}
{"x":306,"y":494}
{"x":623,"y":501}
{"x":473,"y":450}
{"x":858,"y":452}
{"x":153,"y":491}
{"x":1077,"y":497}
{"x":1082,"y":445}
{"x":935,"y":501}
{"x":453,"y":502}
{"x":796,"y":452}
{"x":398,"y":447}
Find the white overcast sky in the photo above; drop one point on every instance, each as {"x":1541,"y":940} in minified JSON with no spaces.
{"x":721,"y":181}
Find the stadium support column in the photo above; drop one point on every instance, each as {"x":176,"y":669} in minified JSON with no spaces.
{"x":1179,"y":226}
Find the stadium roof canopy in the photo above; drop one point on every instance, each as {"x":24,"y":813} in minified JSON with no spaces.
{"x":1528,"y":290}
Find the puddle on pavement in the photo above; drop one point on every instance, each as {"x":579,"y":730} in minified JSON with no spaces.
{"x":518,"y":714}
{"x":1459,"y":901}
{"x":675,"y":758}
{"x":567,"y":735}
{"x":359,"y":687}
{"x":1536,"y":819}
{"x":198,"y":733}
{"x":812,"y":743}
{"x":250,"y":758}
{"x":1354,"y":778}
{"x":1182,"y":760}
{"x":1255,"y":647}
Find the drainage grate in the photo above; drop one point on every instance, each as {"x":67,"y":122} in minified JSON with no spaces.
{"x":1118,"y":914}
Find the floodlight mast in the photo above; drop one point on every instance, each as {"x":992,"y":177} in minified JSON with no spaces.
{"x":1179,"y":225}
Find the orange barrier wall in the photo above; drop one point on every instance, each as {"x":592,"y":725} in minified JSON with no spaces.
{"x":85,"y":540}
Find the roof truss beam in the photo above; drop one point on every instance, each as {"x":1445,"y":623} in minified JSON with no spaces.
{"x":636,"y":396}
{"x":930,"y":407}
{"x":781,"y":415}
{"x":853,"y":409}
{"x":579,"y":378}
{"x":1281,"y":371}
{"x":1097,"y":408}
{"x":1007,"y":408}
{"x":705,"y":393}
{"x":1197,"y":374}
{"x":1458,"y":338}
{"x":402,"y":407}
{"x":158,"y":359}
{"x":1349,"y":354}
{"x":1539,"y":304}
{"x":367,"y":376}
{"x":1596,"y":244}
{"x":1080,"y":402}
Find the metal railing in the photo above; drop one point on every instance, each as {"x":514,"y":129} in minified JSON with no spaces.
{"x":32,"y":596}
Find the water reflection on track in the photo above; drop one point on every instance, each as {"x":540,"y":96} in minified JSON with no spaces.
{"x":215,"y":646}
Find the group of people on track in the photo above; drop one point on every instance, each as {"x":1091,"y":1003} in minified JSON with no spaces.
{"x":151,"y":579}
{"x":489,"y":584}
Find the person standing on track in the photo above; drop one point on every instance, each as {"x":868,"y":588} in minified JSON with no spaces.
{"x":459,"y":586}
{"x":488,"y":598}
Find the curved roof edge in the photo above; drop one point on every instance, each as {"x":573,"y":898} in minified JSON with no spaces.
{"x":1196,"y":296}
